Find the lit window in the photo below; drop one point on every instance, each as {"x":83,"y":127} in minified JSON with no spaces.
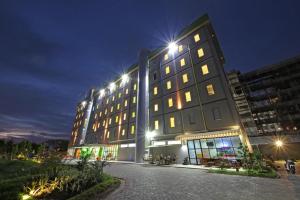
{"x":100,"y":114}
{"x":96,"y":116}
{"x":134,"y":86}
{"x":134,"y":99}
{"x":155,"y":90}
{"x":109,"y":122}
{"x":103,"y":124}
{"x":156,"y":125}
{"x":108,"y":134}
{"x":98,"y":124}
{"x":111,"y":109}
{"x":188,"y":97}
{"x":133,"y":114}
{"x":120,"y":94}
{"x":182,"y":62}
{"x":170,"y":102}
{"x":167,"y":69}
{"x":113,"y":98}
{"x":97,"y":106}
{"x":118,"y":106}
{"x":185,"y":78}
{"x":125,"y":103}
{"x":124,"y":116}
{"x":107,"y":101}
{"x":126,"y":91}
{"x":123,"y":132}
{"x":166,"y":57}
{"x":197,"y":38}
{"x":132,"y":129}
{"x":117,"y":119}
{"x":200,"y":52}
{"x":204,"y":69}
{"x":169,"y":85}
{"x":156,"y":107}
{"x":172,"y":122}
{"x":210,"y":89}
{"x":180,"y":48}
{"x":106,"y":111}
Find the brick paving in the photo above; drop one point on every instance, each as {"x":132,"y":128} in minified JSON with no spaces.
{"x":153,"y":182}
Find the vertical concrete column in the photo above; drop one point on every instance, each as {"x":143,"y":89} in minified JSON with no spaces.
{"x":142,"y":105}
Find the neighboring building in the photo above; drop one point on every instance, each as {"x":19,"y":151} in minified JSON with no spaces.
{"x":174,"y":101}
{"x":268,"y":101}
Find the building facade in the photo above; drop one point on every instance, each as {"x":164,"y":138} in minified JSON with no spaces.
{"x":175,"y":101}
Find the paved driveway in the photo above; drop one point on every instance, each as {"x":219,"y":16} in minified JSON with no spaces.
{"x":152,"y":182}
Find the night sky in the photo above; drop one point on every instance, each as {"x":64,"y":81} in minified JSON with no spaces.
{"x":52,"y":52}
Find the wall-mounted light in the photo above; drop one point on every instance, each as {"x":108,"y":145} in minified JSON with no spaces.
{"x":279,"y":143}
{"x":124,"y":79}
{"x":112,"y":86}
{"x":172,"y":46}
{"x":102,"y":92}
{"x":150,"y":134}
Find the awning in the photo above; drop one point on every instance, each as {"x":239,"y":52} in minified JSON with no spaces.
{"x":213,"y":134}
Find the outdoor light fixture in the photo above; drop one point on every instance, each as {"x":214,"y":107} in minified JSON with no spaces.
{"x":102,"y":92}
{"x":236,"y":127}
{"x":278,"y":143}
{"x":25,"y":197}
{"x":172,"y":47}
{"x":112,"y":86}
{"x":150,"y":134}
{"x":124,"y":79}
{"x":83,"y":103}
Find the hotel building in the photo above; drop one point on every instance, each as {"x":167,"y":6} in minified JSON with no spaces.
{"x":174,"y":101}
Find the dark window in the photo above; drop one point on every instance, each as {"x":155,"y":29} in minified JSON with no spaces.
{"x":217,"y":114}
{"x":192,"y":118}
{"x":154,"y":76}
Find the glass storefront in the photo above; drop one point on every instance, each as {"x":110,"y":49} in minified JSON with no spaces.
{"x":213,"y":148}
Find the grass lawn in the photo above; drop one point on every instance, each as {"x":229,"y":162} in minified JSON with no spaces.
{"x":15,"y":168}
{"x":15,"y":174}
{"x":268,"y":174}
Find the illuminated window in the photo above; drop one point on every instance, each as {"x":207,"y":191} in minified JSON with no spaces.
{"x":132,"y":129}
{"x":167,"y":69}
{"x":126,"y":91}
{"x":123,"y":132}
{"x":111,"y":109}
{"x":113,"y":98}
{"x":118,"y":106}
{"x":105,"y":110}
{"x":166,"y":57}
{"x":96,"y":116}
{"x":169,"y":85}
{"x":204,"y":69}
{"x":103,"y":123}
{"x":188,"y":97}
{"x":120,"y":94}
{"x":100,"y":114}
{"x":125,"y":103}
{"x":197,"y":38}
{"x":107,"y":101}
{"x":210,"y":89}
{"x":134,"y":99}
{"x":155,"y":90}
{"x":156,"y":125}
{"x":124,"y":116}
{"x":170,"y":102}
{"x":182,"y":62}
{"x":185,"y":78}
{"x":200,"y":52}
{"x":109,"y":122}
{"x":98,"y":124}
{"x":117,"y":119}
{"x":180,"y":48}
{"x":107,"y":134}
{"x":172,"y":122}
{"x":133,"y":114}
{"x":155,"y":107}
{"x":134,"y":86}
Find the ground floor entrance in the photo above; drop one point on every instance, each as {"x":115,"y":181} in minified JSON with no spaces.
{"x":200,"y":150}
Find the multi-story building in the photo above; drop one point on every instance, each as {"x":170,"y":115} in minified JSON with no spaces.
{"x":175,"y":101}
{"x":268,"y":101}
